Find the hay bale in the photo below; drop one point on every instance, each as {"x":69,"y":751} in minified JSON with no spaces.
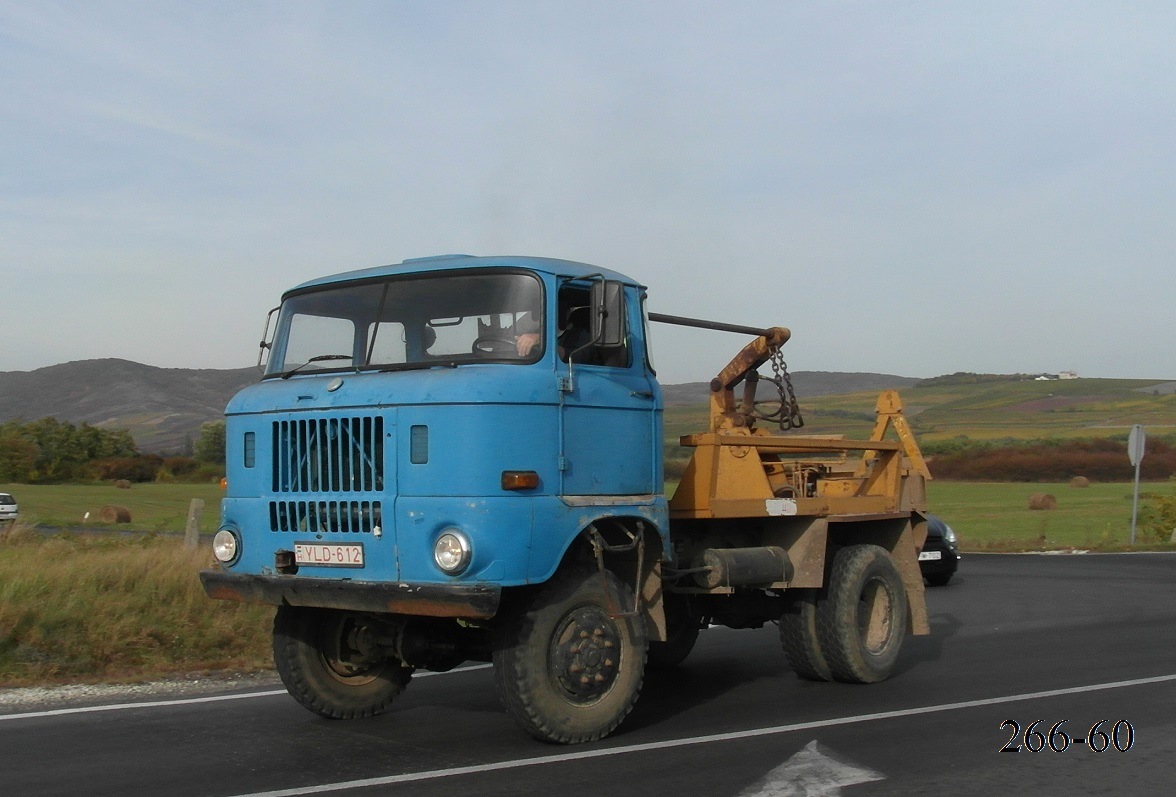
{"x":1042,"y":501}
{"x":122,"y":484}
{"x":112,"y":513}
{"x":1080,"y":481}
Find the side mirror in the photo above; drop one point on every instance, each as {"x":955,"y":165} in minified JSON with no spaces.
{"x":266,"y":341}
{"x":608,"y":313}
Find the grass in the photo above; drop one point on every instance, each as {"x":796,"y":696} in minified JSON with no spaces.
{"x":153,"y":507}
{"x":94,"y":607}
{"x":996,"y":516}
{"x":100,"y":607}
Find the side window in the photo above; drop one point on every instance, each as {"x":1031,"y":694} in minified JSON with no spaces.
{"x":645,"y":334}
{"x":574,"y":339}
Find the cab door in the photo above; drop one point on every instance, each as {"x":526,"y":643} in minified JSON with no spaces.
{"x":611,"y":404}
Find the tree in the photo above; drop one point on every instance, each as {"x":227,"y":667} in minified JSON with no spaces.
{"x":18,"y":458}
{"x":59,"y":451}
{"x":210,"y":444}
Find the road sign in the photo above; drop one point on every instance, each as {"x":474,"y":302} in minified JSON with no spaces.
{"x":1135,"y":454}
{"x":1135,"y":444}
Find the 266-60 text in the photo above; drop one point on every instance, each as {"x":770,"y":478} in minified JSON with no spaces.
{"x":1101,"y":737}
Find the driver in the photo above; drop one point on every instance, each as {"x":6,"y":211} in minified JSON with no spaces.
{"x":527,"y":336}
{"x":526,"y":343}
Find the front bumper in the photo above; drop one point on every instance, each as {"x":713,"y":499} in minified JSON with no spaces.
{"x":948,"y":562}
{"x":428,"y":600}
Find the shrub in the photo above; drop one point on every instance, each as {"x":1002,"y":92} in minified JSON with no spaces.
{"x":1157,"y":518}
{"x":140,"y":468}
{"x":1101,"y":459}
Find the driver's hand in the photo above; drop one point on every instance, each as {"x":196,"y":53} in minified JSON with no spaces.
{"x":526,"y":343}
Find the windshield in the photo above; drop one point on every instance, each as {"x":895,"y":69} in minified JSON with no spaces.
{"x":411,"y":322}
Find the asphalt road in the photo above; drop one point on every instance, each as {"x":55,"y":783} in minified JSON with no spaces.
{"x":1015,"y":638}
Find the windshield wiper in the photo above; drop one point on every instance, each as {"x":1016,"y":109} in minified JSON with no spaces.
{"x":321,"y":358}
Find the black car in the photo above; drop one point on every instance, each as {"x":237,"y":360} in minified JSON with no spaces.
{"x":940,"y":556}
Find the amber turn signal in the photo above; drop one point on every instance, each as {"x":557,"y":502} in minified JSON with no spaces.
{"x":519,"y":480}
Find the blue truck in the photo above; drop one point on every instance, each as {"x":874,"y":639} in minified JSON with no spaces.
{"x":460,"y":458}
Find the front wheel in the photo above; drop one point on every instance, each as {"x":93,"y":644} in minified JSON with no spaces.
{"x":572,"y":666}
{"x":862,"y":622}
{"x":329,"y":662}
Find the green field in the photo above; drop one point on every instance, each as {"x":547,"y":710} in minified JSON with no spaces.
{"x":986,"y":515}
{"x":153,"y":507}
{"x":995,"y":516}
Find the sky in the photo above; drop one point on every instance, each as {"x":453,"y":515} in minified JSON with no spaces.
{"x":914,"y":188}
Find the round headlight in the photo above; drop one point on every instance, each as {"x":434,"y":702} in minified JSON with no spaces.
{"x":224,"y":546}
{"x":452,"y":552}
{"x":949,"y":535}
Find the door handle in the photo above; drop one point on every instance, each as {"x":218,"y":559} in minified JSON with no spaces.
{"x":645,"y":394}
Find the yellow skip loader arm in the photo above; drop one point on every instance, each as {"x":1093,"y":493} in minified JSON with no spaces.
{"x":811,"y":493}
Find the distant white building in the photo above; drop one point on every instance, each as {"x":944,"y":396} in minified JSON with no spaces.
{"x":1067,"y":375}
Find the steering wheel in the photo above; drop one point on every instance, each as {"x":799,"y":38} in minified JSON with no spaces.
{"x":495,"y":346}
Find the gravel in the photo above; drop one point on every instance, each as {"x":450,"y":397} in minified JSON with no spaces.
{"x":20,"y":699}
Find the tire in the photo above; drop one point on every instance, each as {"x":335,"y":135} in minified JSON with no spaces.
{"x":939,"y":579}
{"x":327,"y":661}
{"x":800,"y":640}
{"x":862,"y":623}
{"x":568,"y":672}
{"x":681,"y":633}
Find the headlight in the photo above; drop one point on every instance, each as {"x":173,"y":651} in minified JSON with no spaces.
{"x":224,"y":546}
{"x":452,"y":551}
{"x":949,"y":536}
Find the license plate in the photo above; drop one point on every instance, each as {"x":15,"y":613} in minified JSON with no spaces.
{"x":321,"y":554}
{"x":930,"y":556}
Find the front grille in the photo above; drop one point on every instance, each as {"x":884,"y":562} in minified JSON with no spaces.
{"x":335,"y":455}
{"x":324,"y":516}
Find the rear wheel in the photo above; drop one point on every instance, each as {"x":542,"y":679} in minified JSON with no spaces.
{"x":682,"y":627}
{"x":862,"y":623}
{"x":799,"y":638}
{"x":329,"y":662}
{"x":573,"y":664}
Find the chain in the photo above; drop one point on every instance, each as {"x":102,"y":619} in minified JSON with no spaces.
{"x":788,"y":415}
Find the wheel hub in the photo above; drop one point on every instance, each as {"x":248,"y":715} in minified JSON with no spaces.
{"x":585,"y":654}
{"x":349,"y":652}
{"x":874,"y":612}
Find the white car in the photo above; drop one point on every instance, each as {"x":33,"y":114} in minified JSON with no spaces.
{"x":8,"y":510}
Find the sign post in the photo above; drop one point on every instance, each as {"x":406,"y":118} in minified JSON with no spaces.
{"x":1135,"y":448}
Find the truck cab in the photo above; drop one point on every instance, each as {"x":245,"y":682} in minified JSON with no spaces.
{"x":446,"y":422}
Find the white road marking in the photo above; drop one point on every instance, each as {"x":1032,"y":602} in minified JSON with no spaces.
{"x":810,"y":773}
{"x":56,"y":712}
{"x":583,"y":755}
{"x":185,"y":701}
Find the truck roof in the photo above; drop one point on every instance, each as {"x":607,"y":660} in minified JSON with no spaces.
{"x":420,"y":265}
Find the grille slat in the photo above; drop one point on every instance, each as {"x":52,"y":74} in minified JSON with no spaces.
{"x":349,"y":517}
{"x":336,"y":455}
{"x":331,"y":456}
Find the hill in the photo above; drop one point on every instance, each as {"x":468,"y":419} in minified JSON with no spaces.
{"x":1013,"y":409}
{"x":807,"y":383}
{"x":162,"y":407}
